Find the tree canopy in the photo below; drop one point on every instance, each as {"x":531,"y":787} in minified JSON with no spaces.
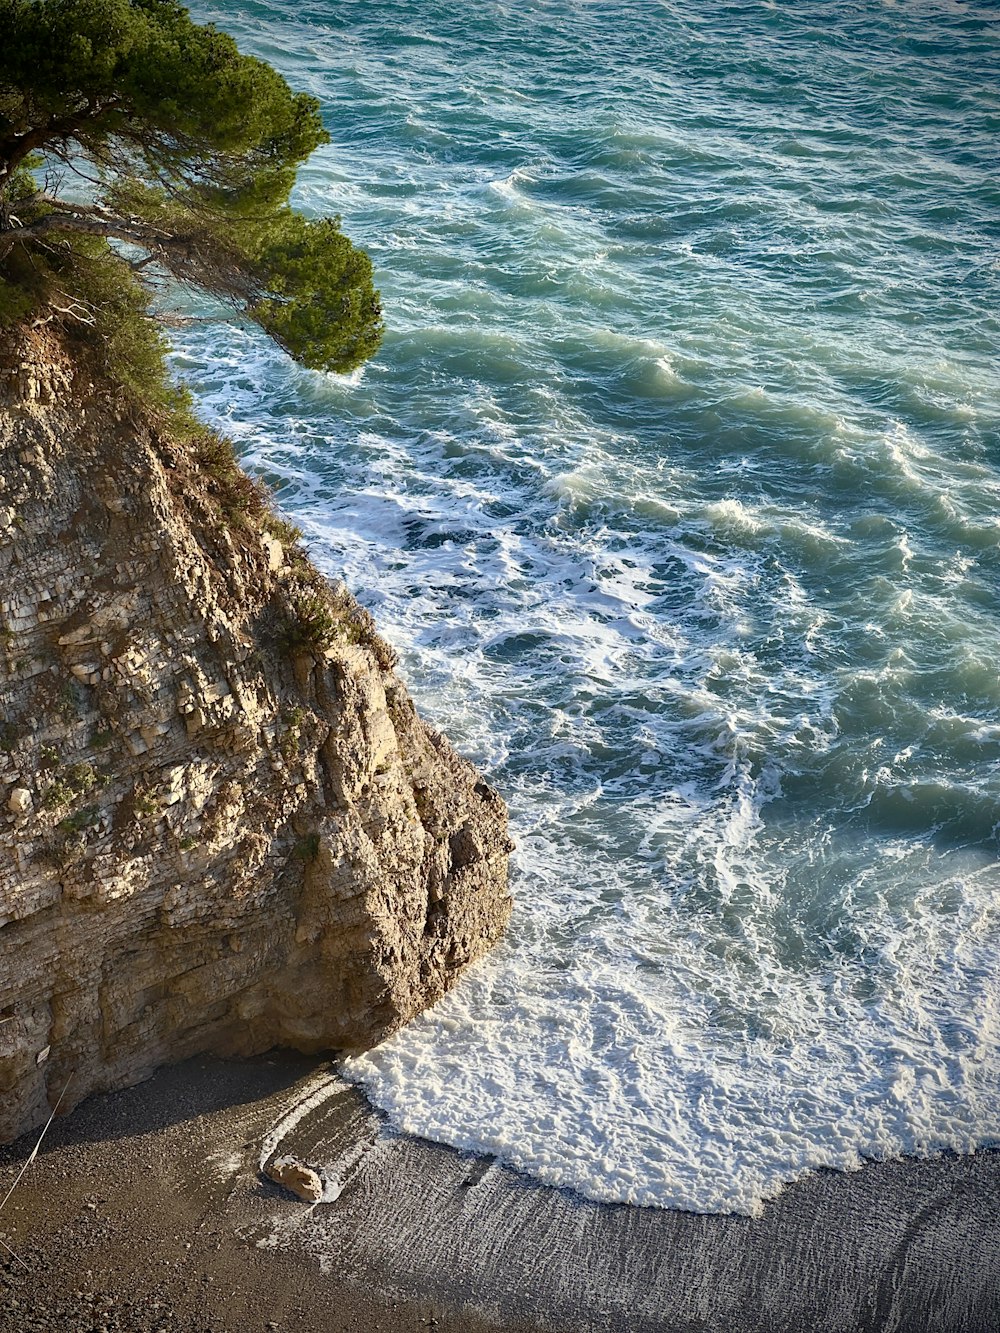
{"x":124,"y":121}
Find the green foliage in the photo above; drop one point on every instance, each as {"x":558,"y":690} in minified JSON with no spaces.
{"x":69,"y":786}
{"x":307,"y":848}
{"x":312,"y":626}
{"x":83,"y":819}
{"x":287,"y":533}
{"x":66,"y":702}
{"x":358,"y":627}
{"x":190,"y":150}
{"x":180,"y":95}
{"x":48,"y":757}
{"x":144,"y":803}
{"x":323,"y":614}
{"x":69,"y":839}
{"x":292,"y":735}
{"x":16,"y":303}
{"x":83,"y":284}
{"x":129,"y":342}
{"x":238,"y":496}
{"x":319,"y":304}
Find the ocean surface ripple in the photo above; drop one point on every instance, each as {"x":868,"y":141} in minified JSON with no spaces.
{"x":677,"y":484}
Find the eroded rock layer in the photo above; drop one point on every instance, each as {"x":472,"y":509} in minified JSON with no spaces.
{"x":222,"y":825}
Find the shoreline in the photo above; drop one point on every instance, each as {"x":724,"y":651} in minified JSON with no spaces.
{"x":154,"y":1194}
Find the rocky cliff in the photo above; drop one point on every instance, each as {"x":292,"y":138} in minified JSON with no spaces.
{"x":222,"y":825}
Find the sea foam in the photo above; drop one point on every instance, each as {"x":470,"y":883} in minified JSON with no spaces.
{"x":676,"y":484}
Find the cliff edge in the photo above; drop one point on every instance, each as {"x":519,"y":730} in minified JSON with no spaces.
{"x":223,"y":827}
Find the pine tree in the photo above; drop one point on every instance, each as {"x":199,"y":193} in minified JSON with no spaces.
{"x":138,"y":147}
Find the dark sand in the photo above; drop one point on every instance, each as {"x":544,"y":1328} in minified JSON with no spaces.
{"x":146,"y":1211}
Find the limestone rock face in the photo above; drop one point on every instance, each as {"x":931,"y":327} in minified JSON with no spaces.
{"x":223,"y":826}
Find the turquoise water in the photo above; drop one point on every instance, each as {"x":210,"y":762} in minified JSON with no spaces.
{"x":677,"y":484}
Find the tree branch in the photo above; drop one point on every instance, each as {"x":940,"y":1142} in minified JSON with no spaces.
{"x":19,"y":146}
{"x":92,"y":223}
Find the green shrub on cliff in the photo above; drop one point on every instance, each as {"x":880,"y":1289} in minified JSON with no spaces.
{"x":137,"y":146}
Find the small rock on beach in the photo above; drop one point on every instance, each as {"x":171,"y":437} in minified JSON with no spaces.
{"x":297,"y":1178}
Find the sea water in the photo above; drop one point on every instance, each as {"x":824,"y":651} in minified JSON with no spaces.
{"x":677,"y":485}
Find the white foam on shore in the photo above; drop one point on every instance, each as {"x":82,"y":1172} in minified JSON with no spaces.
{"x":633,"y":1076}
{"x":718,"y":976}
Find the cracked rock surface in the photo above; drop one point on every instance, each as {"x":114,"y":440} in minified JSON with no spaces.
{"x":219,"y":830}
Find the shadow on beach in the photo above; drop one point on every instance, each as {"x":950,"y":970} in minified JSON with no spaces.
{"x":155,"y":1192}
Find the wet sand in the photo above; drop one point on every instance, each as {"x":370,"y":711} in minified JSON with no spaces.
{"x":146,"y":1210}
